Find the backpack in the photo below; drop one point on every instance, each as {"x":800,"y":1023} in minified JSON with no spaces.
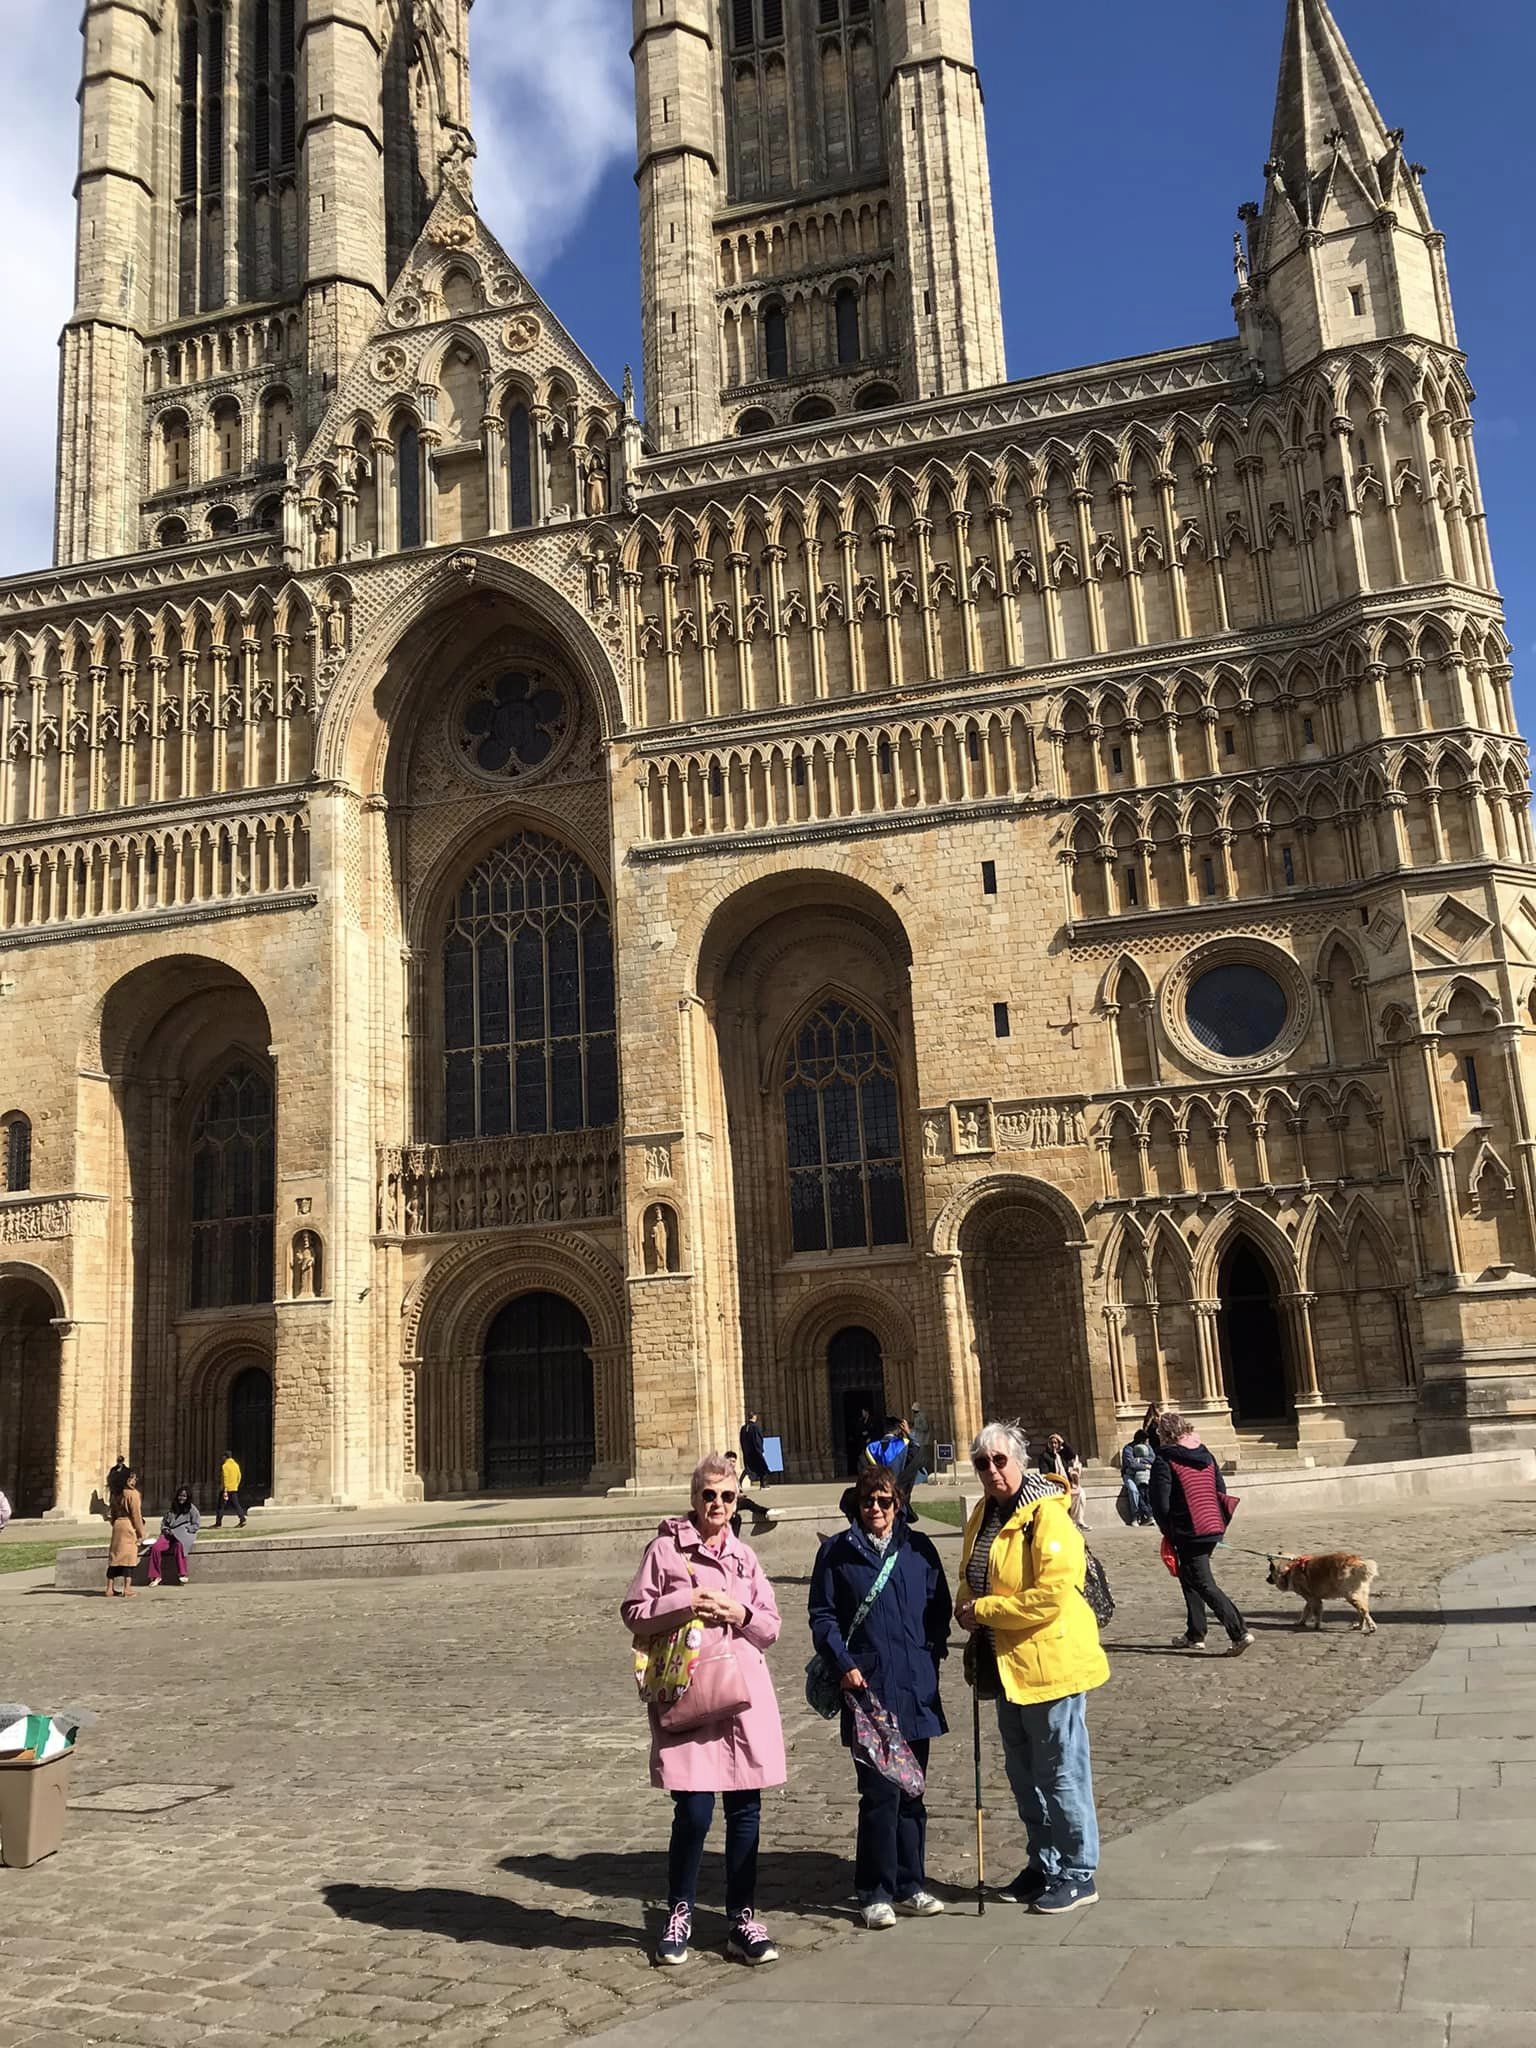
{"x":1096,"y":1590}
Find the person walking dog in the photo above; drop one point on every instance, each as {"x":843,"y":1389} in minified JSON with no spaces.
{"x":1035,"y":1649}
{"x":1192,"y":1507}
{"x":695,"y":1569}
{"x":880,"y":1613}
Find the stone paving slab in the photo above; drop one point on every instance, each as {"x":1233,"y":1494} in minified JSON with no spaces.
{"x":431,"y":1823}
{"x":1407,"y":1925}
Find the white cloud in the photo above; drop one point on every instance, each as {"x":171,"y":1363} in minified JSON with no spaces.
{"x":554,"y":107}
{"x":38,"y":158}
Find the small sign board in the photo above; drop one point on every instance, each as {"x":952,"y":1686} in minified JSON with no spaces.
{"x":944,"y":1453}
{"x":773,"y":1453}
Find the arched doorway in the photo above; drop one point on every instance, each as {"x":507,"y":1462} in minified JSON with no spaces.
{"x":1024,"y":1302}
{"x":855,"y":1392}
{"x":539,"y":1412}
{"x":250,"y":1431}
{"x":29,"y":1396}
{"x":1252,"y":1336}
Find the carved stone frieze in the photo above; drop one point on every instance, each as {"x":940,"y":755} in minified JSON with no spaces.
{"x":49,"y":1218}
{"x":498,"y":1184}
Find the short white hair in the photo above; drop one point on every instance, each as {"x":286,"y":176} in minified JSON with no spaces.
{"x":1003,"y":1436}
{"x":711,"y":1466}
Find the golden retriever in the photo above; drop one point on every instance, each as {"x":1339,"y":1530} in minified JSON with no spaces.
{"x":1337,"y":1575}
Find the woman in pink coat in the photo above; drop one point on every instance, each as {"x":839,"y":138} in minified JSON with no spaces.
{"x":696,"y":1566}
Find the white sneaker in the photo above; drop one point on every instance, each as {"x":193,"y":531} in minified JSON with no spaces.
{"x":879,"y":1914}
{"x":921,"y":1906}
{"x":1244,"y":1642}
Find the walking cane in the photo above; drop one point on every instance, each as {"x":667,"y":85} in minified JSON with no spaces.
{"x":981,"y":1851}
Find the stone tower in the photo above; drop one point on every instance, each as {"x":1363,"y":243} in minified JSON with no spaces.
{"x":252,"y":175}
{"x":1343,"y":250}
{"x":816,"y":211}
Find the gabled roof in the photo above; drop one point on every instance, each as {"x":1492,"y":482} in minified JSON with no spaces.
{"x":510,"y":328}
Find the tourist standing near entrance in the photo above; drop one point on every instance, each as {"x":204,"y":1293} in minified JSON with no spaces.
{"x":922,"y":1438}
{"x":1192,"y":1507}
{"x":696,"y":1567}
{"x":1035,"y":1649}
{"x":229,"y":1491}
{"x":127,"y":1512}
{"x":880,"y":1614}
{"x":754,"y":1458}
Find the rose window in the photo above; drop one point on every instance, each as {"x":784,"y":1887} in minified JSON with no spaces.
{"x":515,"y":722}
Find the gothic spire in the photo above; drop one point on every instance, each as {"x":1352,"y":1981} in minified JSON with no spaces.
{"x":1323,"y":111}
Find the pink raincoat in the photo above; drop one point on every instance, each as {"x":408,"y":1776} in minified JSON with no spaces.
{"x":747,"y":1751}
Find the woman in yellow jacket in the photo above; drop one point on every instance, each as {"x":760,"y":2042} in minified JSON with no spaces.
{"x":1037,"y":1652}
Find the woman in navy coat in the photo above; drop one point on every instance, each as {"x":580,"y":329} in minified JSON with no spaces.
{"x":894,"y":1654}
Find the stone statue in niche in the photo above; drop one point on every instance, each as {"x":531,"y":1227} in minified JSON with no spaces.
{"x":660,"y":1239}
{"x":492,"y":1205}
{"x":543,"y":1200}
{"x":517,"y":1203}
{"x":596,"y":492}
{"x":306,"y":1267}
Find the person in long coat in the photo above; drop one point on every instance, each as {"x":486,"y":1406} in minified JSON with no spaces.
{"x":892,"y":1656}
{"x":697,"y":1567}
{"x":127,"y":1511}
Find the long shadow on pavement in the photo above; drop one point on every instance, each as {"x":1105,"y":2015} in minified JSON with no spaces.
{"x":799,"y":1878}
{"x":474,"y":1916}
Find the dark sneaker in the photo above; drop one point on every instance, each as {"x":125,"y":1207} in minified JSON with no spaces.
{"x":673,"y":1945}
{"x":748,"y":1941}
{"x":1240,"y":1644}
{"x":1188,"y":1643}
{"x":1026,"y":1888}
{"x":1066,"y":1897}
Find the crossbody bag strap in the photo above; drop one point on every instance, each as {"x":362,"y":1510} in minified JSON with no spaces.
{"x":873,"y":1594}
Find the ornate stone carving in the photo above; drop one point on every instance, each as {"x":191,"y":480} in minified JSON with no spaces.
{"x":497,"y":1184}
{"x":522,"y":333}
{"x":38,"y":1221}
{"x":1041,"y":1126}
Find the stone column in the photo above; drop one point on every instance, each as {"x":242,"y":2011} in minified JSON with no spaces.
{"x":963,"y":1375}
{"x":67,"y":1500}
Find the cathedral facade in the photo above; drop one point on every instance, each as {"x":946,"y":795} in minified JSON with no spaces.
{"x":534,"y":920}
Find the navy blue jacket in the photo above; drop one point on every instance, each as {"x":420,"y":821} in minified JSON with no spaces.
{"x":905,"y":1635}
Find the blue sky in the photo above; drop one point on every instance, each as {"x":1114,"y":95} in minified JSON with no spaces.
{"x":1121,"y":149}
{"x":1123,"y":139}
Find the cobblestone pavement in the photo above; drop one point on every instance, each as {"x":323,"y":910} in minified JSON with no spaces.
{"x":418,"y":1810}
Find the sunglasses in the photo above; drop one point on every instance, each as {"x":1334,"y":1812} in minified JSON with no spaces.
{"x":709,"y":1494}
{"x":999,"y":1459}
{"x":879,"y":1500}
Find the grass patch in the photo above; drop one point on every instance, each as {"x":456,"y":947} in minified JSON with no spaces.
{"x":31,"y":1555}
{"x":949,"y":1512}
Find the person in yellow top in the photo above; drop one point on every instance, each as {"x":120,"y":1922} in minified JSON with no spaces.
{"x":1035,"y":1649}
{"x":229,"y":1493}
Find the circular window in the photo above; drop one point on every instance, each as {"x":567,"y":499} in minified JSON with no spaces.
{"x":514,"y":721}
{"x":1237,"y":1010}
{"x":1236,"y":1006}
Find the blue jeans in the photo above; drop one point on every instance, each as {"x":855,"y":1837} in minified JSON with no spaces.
{"x":1135,"y":1496}
{"x":692,"y":1813}
{"x":1045,"y":1751}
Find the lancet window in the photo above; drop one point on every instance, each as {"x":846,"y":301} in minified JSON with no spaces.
{"x":234,"y":1161}
{"x":842,"y":1127}
{"x":529,"y":1026}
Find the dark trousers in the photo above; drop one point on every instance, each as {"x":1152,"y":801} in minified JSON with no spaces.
{"x":228,"y":1502}
{"x":692,"y":1813}
{"x":889,"y":1862}
{"x":1201,"y":1591}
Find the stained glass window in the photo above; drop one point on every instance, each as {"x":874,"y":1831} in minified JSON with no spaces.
{"x":528,"y":1001}
{"x":233,"y":1175}
{"x":1237,"y":1010}
{"x":842,"y":1125}
{"x":514,"y":721}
